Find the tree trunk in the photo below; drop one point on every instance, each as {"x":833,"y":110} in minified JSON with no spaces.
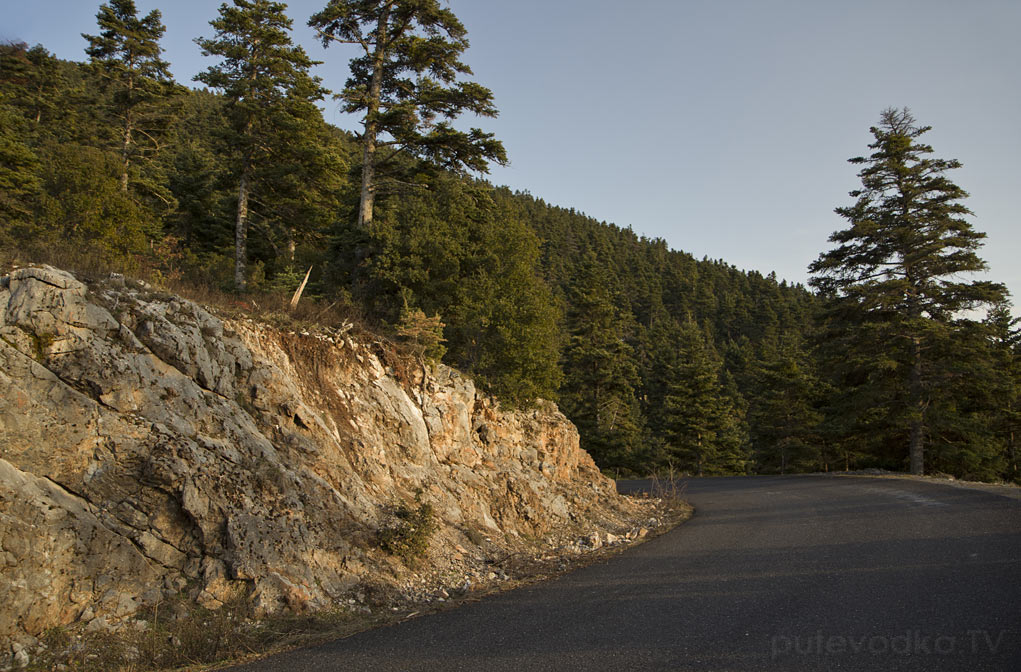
{"x":368,"y":195}
{"x":241,"y":224}
{"x":126,"y":147}
{"x":916,"y":448}
{"x":241,"y":233}
{"x":125,"y":154}
{"x":1012,"y":452}
{"x":368,"y":177}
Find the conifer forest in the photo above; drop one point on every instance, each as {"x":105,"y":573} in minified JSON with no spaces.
{"x":894,"y":356}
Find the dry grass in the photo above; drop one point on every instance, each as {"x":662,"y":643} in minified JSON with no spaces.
{"x":668,"y":489}
{"x":163,"y":273}
{"x":179,"y":635}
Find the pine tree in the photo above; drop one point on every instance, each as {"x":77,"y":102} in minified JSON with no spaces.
{"x":784,"y":414}
{"x":32,"y":81}
{"x":198,"y":169}
{"x":127,"y":55}
{"x":454,"y":251}
{"x":964,"y":414}
{"x":270,"y":100}
{"x":701,"y":424}
{"x":84,"y":206}
{"x":59,"y":100}
{"x":1004,"y":340}
{"x":600,"y":377}
{"x":407,"y":85}
{"x":892,"y":286}
{"x":20,"y":184}
{"x":302,"y":193}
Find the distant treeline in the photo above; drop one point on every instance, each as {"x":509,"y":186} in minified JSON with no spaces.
{"x":665,"y":363}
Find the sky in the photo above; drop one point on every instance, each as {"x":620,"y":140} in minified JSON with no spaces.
{"x":721,"y":126}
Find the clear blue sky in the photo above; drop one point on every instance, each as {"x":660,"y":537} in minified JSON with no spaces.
{"x":722,"y":126}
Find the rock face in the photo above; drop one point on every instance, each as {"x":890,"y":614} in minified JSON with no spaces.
{"x":149,"y":448}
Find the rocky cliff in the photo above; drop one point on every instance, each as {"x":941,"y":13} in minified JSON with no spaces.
{"x":149,"y":448}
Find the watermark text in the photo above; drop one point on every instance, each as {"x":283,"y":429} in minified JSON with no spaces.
{"x":908,"y":643}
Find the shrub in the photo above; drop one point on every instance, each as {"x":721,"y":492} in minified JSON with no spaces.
{"x":408,"y":529}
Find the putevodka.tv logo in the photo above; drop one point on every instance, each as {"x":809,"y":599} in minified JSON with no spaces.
{"x":909,"y":643}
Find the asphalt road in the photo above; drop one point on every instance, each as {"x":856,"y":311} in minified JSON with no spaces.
{"x":771,"y":573}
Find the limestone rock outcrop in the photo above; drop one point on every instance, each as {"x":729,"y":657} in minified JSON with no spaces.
{"x":149,"y":448}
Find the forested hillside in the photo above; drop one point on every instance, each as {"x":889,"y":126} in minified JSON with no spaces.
{"x":665,"y":363}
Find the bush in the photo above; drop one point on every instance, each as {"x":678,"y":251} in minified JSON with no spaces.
{"x":408,"y":530}
{"x":422,"y":334}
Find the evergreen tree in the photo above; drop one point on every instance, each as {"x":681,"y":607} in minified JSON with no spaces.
{"x":19,"y":175}
{"x":59,"y":100}
{"x":270,"y":100}
{"x":963,"y":415}
{"x":407,"y":85}
{"x":600,"y":377}
{"x":784,"y":411}
{"x":658,"y":358}
{"x":304,"y":193}
{"x":892,"y":286}
{"x":451,"y":250}
{"x":701,"y":424}
{"x":506,"y":327}
{"x":83,"y":206}
{"x":198,"y":168}
{"x":1004,"y":340}
{"x":127,"y":55}
{"x":31,"y":79}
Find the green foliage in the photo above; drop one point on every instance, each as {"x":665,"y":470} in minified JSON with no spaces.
{"x":270,"y":105}
{"x":600,"y":375}
{"x":407,"y":83}
{"x":785,"y":413}
{"x":447,"y":248}
{"x":894,"y":297}
{"x":701,"y":422}
{"x":1001,"y":386}
{"x":31,"y":80}
{"x":423,"y":334}
{"x":137,"y":83}
{"x":974,"y":415}
{"x":20,"y":184}
{"x":197,"y":165}
{"x":408,"y":529}
{"x":83,"y":204}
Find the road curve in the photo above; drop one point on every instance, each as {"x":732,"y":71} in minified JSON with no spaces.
{"x":771,"y":573}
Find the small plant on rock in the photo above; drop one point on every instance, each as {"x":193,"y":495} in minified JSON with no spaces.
{"x":408,"y":529}
{"x":421,"y":334}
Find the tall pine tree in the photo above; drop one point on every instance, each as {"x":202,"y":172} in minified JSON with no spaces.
{"x":784,"y":412}
{"x":270,"y":100}
{"x":701,"y":424}
{"x":1004,"y":334}
{"x":127,"y":53}
{"x":407,"y":82}
{"x":598,"y":394}
{"x":893,"y":287}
